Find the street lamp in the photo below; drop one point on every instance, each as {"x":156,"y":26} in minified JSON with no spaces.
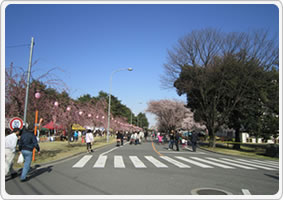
{"x":109,"y":103}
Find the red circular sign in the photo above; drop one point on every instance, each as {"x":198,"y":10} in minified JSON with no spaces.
{"x":16,"y":122}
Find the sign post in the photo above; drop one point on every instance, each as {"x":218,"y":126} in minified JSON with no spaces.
{"x":16,"y":122}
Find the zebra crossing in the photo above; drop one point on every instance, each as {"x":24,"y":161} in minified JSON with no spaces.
{"x":147,"y":161}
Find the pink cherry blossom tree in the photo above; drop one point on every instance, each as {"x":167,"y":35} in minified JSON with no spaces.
{"x":172,"y":114}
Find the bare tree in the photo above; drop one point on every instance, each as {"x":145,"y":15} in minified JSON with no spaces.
{"x":199,"y":47}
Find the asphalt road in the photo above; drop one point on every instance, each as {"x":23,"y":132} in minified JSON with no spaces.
{"x":150,"y":169}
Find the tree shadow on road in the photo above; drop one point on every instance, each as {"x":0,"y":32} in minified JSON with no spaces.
{"x":272,"y":176}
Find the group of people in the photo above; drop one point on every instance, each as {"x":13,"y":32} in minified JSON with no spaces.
{"x":134,"y":137}
{"x":176,"y":138}
{"x":26,"y":141}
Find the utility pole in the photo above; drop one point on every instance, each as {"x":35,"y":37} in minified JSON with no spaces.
{"x":131,"y":121}
{"x":28,"y":79}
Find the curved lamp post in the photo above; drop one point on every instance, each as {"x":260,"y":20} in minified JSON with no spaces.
{"x":109,"y":102}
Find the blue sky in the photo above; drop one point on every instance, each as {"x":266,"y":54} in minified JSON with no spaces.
{"x":88,"y":42}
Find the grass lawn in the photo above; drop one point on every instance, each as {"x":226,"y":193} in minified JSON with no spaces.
{"x":245,"y":152}
{"x":52,"y":151}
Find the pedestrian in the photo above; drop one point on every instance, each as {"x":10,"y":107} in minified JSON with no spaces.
{"x":177,"y":138}
{"x":76,"y":136}
{"x":184,"y":142}
{"x":27,"y":143}
{"x":171,"y":140}
{"x":133,"y":138}
{"x":141,"y":133}
{"x":145,"y":136}
{"x":128,"y":136}
{"x":194,"y":141}
{"x":160,"y":137}
{"x":118,"y":138}
{"x":89,"y":139}
{"x":137,"y":136}
{"x":122,"y":138}
{"x":10,"y":151}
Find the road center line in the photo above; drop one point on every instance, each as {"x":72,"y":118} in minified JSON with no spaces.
{"x":109,"y":151}
{"x":155,"y":149}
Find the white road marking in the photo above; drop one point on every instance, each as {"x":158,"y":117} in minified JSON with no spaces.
{"x":175,"y":162}
{"x":246,"y":192}
{"x":100,"y":163}
{"x":268,"y":161}
{"x":109,"y":151}
{"x":137,"y":162}
{"x":196,"y":152}
{"x":229,"y":163}
{"x":213,"y":163}
{"x":156,"y":162}
{"x":81,"y":163}
{"x":182,"y":152}
{"x":194,"y":162}
{"x":245,"y":163}
{"x":118,"y":162}
{"x":260,"y":163}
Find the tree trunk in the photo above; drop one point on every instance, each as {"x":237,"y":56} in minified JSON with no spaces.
{"x":237,"y":139}
{"x":211,"y":137}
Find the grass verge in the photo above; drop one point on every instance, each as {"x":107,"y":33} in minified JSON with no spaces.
{"x":234,"y":152}
{"x":57,"y":150}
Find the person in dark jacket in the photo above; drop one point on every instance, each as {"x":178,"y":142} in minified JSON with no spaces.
{"x":118,"y":138}
{"x":27,"y":143}
{"x":177,"y":138}
{"x":194,"y":140}
{"x":171,"y":140}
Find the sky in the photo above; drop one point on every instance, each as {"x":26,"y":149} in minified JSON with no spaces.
{"x":86,"y":43}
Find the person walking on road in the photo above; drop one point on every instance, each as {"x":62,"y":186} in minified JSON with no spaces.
{"x":118,"y":138}
{"x":160,"y":137}
{"x":145,"y":136}
{"x":27,"y":143}
{"x":89,"y":139}
{"x":177,"y":138}
{"x":137,"y":136}
{"x":133,"y":138}
{"x":194,"y":140}
{"x":171,"y":140}
{"x":10,"y":151}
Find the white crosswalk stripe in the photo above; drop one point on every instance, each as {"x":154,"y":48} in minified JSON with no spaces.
{"x":268,"y":161}
{"x":245,"y":163}
{"x":175,"y":162}
{"x":203,"y":162}
{"x":118,"y":162}
{"x":100,"y":163}
{"x":194,"y":162}
{"x":156,"y":162}
{"x":213,"y":163}
{"x":81,"y":163}
{"x":137,"y":162}
{"x":260,"y":163}
{"x":229,"y":163}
